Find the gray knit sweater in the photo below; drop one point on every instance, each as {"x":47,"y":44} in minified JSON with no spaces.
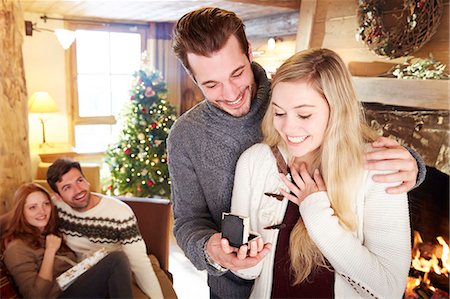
{"x":203,"y":147}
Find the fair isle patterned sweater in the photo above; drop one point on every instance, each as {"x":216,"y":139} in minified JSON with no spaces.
{"x":112,"y":225}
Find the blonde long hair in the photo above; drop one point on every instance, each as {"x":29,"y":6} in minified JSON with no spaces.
{"x":345,"y":135}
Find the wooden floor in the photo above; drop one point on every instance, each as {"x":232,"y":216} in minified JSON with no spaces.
{"x":188,"y":282}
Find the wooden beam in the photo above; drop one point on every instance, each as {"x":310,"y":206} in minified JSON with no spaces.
{"x":429,"y":94}
{"x":15,"y":162}
{"x":293,"y":4}
{"x":305,"y":24}
{"x":271,"y":26}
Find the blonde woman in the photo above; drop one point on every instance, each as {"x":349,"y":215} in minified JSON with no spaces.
{"x":334,"y":231}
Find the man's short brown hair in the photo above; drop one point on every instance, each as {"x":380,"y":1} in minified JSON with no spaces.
{"x":205,"y":31}
{"x":59,"y":168}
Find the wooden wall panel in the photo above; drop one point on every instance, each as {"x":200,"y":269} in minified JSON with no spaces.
{"x":15,"y":165}
{"x":335,"y":28}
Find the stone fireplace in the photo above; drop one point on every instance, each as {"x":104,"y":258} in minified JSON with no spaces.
{"x":425,"y":127}
{"x":427,"y":132}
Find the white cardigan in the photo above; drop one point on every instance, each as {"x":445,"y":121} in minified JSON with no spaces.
{"x":372,"y":262}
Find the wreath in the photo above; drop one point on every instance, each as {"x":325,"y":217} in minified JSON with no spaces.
{"x":414,"y":24}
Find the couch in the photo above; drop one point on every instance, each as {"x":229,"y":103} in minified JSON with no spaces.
{"x":153,"y":217}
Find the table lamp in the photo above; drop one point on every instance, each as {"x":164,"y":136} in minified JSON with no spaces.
{"x":41,"y":102}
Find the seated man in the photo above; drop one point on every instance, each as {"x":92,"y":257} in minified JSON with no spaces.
{"x":91,"y":221}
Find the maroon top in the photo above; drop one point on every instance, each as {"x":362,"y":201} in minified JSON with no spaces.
{"x":320,"y":283}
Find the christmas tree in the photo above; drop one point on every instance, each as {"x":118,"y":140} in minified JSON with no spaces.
{"x":138,"y":162}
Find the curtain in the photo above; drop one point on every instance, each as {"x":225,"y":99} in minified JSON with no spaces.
{"x":159,"y":47}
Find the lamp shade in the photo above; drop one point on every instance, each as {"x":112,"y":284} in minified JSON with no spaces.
{"x":65,"y":37}
{"x":271,"y":43}
{"x":41,"y":102}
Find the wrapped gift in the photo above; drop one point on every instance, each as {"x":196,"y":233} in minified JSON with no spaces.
{"x":67,"y":278}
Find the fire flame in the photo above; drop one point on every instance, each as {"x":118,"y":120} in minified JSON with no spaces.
{"x":437,"y":261}
{"x":440,"y":253}
{"x":445,"y":254}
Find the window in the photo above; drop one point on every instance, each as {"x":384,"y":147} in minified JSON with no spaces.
{"x":103,"y":63}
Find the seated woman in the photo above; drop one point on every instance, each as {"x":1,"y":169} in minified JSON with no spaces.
{"x":35,"y":254}
{"x":335,"y":232}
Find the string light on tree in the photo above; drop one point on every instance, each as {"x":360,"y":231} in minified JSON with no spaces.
{"x":138,"y":162}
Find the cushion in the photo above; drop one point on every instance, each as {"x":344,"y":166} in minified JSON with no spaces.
{"x":7,"y":286}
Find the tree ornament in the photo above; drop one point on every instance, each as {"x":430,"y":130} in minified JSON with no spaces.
{"x":149,"y":92}
{"x":127,"y":151}
{"x":154,"y":125}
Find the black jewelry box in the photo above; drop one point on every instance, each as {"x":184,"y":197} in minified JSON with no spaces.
{"x":236,"y":229}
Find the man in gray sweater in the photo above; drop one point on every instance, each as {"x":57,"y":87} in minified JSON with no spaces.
{"x":205,"y":143}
